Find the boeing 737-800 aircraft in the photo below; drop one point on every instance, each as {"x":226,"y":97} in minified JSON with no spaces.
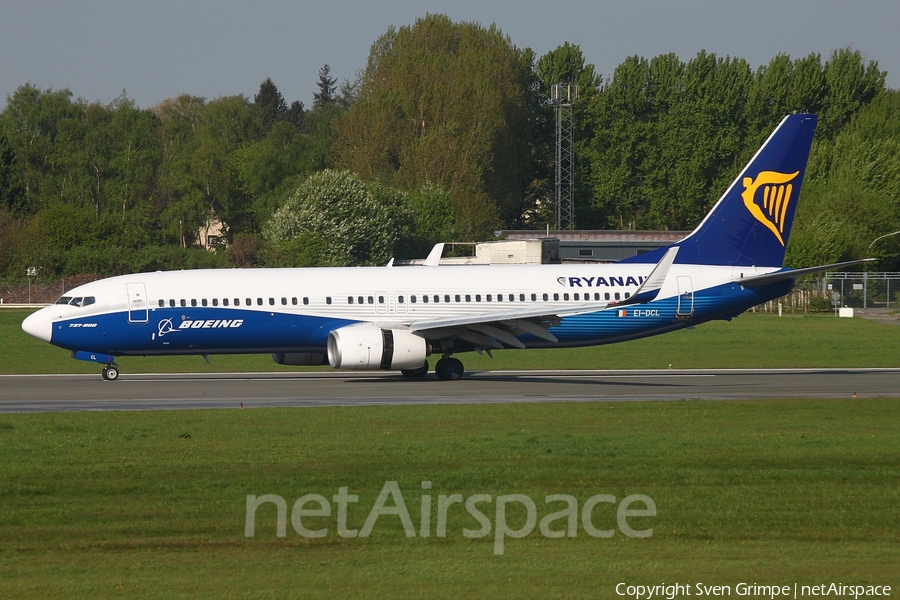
{"x":394,"y":318}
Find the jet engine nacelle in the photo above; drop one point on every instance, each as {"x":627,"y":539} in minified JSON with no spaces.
{"x":368,"y":347}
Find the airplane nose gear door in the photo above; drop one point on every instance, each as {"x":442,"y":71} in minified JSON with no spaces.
{"x":685,"y":307}
{"x":137,"y":303}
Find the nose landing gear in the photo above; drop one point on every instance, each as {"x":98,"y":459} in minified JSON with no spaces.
{"x":110,"y":372}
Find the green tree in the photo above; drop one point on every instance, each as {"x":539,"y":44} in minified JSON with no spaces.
{"x":270,"y":104}
{"x":450,"y":104}
{"x":853,"y":179}
{"x":361,"y":223}
{"x":37,"y":124}
{"x":851,"y":83}
{"x":12,"y":196}
{"x":327,"y":89}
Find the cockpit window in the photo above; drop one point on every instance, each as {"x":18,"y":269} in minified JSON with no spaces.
{"x":78,"y":301}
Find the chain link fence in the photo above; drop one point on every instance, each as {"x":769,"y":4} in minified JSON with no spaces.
{"x":35,"y":290}
{"x":831,"y":291}
{"x":864,"y":290}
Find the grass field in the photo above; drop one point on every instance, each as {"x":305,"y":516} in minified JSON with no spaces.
{"x":152,"y":504}
{"x":750,"y":341}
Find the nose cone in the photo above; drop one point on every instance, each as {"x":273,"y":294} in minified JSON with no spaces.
{"x":39,"y":324}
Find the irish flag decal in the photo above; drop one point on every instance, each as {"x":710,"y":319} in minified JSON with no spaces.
{"x":623,"y":312}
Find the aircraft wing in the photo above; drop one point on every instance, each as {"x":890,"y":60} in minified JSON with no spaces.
{"x":760,"y":280}
{"x":494,"y":328}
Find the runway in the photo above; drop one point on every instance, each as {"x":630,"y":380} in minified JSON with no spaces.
{"x":40,"y":393}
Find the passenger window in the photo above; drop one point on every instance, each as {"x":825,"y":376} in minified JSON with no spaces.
{"x":545,"y":297}
{"x":271,"y":301}
{"x":399,"y":299}
{"x":425,"y":298}
{"x":380,"y":299}
{"x":447,"y":298}
{"x":534,"y":297}
{"x":437,"y":298}
{"x":606,"y":296}
{"x":249,"y":302}
{"x":617,"y":295}
{"x":183,"y":302}
{"x":627,"y":295}
{"x":412,"y":299}
{"x":499,"y":297}
{"x":488,"y":297}
{"x":259,"y":301}
{"x":305,"y":300}
{"x":193,"y":302}
{"x":203,"y":302}
{"x":576,"y":296}
{"x":477,"y":297}
{"x":216,"y":301}
{"x":162,"y":303}
{"x":224,"y":301}
{"x":362,"y":300}
{"x":171,"y":302}
{"x":328,"y":300}
{"x":349,"y":299}
{"x":371,"y":300}
{"x":294,"y":301}
{"x":556,"y":296}
{"x":458,"y":298}
{"x":596,"y":295}
{"x":284,"y":301}
{"x":468,"y":298}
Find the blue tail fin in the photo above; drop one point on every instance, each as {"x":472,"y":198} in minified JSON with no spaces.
{"x":751,"y":222}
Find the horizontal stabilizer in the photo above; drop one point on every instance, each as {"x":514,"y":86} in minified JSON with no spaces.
{"x":759,"y":280}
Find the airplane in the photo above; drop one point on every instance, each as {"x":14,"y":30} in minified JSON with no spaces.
{"x":395,"y":318}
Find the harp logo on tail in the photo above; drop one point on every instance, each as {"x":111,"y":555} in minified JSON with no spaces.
{"x":770,"y":205}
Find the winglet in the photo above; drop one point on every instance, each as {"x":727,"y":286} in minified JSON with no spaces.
{"x":434,"y":257}
{"x":649,"y":290}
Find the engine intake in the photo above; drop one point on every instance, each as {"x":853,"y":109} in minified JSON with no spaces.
{"x":368,"y":347}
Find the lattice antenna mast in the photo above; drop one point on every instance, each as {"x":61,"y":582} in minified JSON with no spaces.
{"x":563,"y":96}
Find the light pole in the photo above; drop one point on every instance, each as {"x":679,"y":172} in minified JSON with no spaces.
{"x":30,"y":272}
{"x":882,"y":237}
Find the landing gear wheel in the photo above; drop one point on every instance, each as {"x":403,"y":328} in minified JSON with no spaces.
{"x":416,"y":373}
{"x":110,"y":373}
{"x":449,"y":368}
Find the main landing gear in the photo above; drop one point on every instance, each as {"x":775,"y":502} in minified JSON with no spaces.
{"x":447,"y":368}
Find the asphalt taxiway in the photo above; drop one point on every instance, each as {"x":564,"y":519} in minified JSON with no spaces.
{"x":37,"y":393}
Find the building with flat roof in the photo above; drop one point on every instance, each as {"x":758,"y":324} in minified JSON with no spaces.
{"x":601,"y":245}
